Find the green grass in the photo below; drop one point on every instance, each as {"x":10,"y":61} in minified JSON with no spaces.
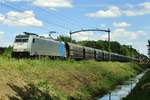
{"x":67,"y":79}
{"x":142,"y":90}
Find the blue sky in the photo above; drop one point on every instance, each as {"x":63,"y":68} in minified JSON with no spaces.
{"x":127,"y":19}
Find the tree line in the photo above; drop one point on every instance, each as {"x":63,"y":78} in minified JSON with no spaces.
{"x":116,"y":47}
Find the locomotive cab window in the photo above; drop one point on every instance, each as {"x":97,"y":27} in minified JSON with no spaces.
{"x":21,"y":40}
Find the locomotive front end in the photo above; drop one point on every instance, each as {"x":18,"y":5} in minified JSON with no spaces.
{"x":21,"y":46}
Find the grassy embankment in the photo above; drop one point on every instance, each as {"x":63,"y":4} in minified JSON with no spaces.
{"x":60,"y":80}
{"x":142,"y":90}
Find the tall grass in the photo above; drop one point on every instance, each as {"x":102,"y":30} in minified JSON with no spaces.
{"x":7,"y":52}
{"x":68,"y":79}
{"x":142,"y":90}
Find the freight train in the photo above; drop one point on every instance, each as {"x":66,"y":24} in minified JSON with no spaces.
{"x":33,"y":45}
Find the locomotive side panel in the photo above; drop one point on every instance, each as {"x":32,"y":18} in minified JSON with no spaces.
{"x":47,"y":47}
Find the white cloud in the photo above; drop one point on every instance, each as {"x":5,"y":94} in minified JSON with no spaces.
{"x":1,"y":33}
{"x":146,"y":5}
{"x":83,"y":36}
{"x":53,"y":3}
{"x":137,"y":12}
{"x":114,"y":11}
{"x":143,"y":9}
{"x":26,"y":18}
{"x":120,"y":34}
{"x":16,"y":0}
{"x":128,"y":35}
{"x":121,"y":24}
{"x":111,"y":12}
{"x":2,"y":17}
{"x":11,"y":0}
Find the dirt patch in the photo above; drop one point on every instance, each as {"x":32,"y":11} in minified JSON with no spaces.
{"x":5,"y":89}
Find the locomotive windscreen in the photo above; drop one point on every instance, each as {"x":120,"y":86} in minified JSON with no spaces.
{"x":22,"y":38}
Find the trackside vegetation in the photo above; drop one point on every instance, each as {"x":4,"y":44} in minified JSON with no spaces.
{"x":45,"y":79}
{"x":142,"y":90}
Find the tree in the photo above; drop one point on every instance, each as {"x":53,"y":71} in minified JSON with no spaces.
{"x":124,"y":50}
{"x":116,"y":47}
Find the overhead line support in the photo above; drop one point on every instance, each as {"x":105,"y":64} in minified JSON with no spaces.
{"x":83,"y":30}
